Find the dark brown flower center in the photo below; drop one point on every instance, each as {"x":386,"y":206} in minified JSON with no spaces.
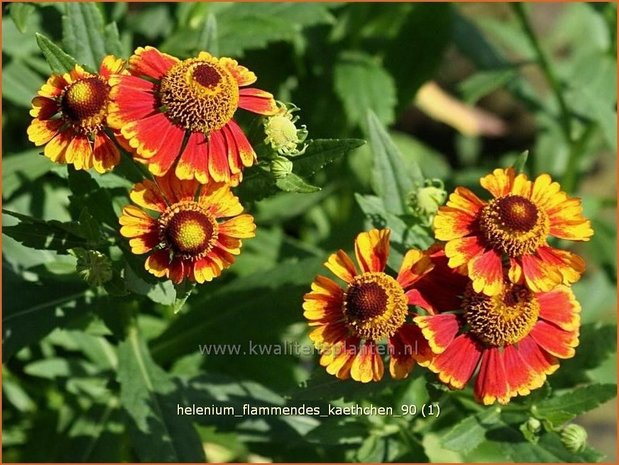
{"x":84,"y":99}
{"x":207,"y":75}
{"x":375,"y":306}
{"x":366,"y":301}
{"x":514,"y":225}
{"x":188,"y":230}
{"x":517,"y":213}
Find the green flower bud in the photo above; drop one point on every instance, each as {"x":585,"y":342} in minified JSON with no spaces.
{"x":425,"y":200}
{"x":574,"y":437}
{"x":534,"y":425}
{"x":282,"y":133}
{"x":93,"y":267}
{"x":281,"y":167}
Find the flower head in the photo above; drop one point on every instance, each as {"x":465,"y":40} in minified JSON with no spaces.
{"x":70,"y":113}
{"x":181,"y":112}
{"x":352,"y":320}
{"x":513,"y":226}
{"x":512,"y":340}
{"x":193,"y":232}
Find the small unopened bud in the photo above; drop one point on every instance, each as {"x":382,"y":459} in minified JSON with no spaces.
{"x":282,"y":133}
{"x":281,"y":167}
{"x":534,"y":425}
{"x":93,"y":267}
{"x":425,"y":200}
{"x":574,"y":437}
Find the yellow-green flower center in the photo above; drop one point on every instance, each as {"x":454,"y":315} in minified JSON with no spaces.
{"x":514,"y":225}
{"x":84,"y":103}
{"x":375,"y":306}
{"x":199,"y":95}
{"x":188,"y":230}
{"x":503,"y":319}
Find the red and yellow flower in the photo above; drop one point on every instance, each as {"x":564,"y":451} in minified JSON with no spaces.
{"x":351,"y":321}
{"x":70,"y":114}
{"x":512,"y":340}
{"x":513,"y":227}
{"x":191,"y":231}
{"x":174,"y":111}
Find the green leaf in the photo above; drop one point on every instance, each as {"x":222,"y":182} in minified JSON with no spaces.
{"x":484,"y":82}
{"x":363,"y":85}
{"x":568,"y":405}
{"x":597,"y":342}
{"x":294,"y":183}
{"x":208,"y":38}
{"x":59,"y":61}
{"x":45,"y":235}
{"x":339,"y":431}
{"x":158,"y":291}
{"x":83,"y":33}
{"x":471,"y":432}
{"x":113,"y":44}
{"x":150,"y":399}
{"x":392,"y":179}
{"x":19,"y":169}
{"x":244,"y":26}
{"x":20,"y":83}
{"x":19,"y":14}
{"x":33,"y":309}
{"x":322,"y":152}
{"x":521,"y":162}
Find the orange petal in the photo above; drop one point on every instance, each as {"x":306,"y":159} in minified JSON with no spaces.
{"x":560,"y":307}
{"x":341,"y":266}
{"x":499,"y":183}
{"x":367,"y":365}
{"x":456,"y":364}
{"x":150,"y":62}
{"x":372,"y":250}
{"x":241,"y":226}
{"x":243,"y":76}
{"x":486,"y":272}
{"x":491,"y":384}
{"x":158,"y":263}
{"x":414,"y":265}
{"x":42,"y":131}
{"x":257,"y":101}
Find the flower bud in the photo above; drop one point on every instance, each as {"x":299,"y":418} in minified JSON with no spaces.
{"x":534,"y":425}
{"x":425,"y":200}
{"x":282,"y":133}
{"x":574,"y":437}
{"x":280,"y":167}
{"x":93,"y":267}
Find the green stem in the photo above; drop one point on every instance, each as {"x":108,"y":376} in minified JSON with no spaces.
{"x":565,"y":116}
{"x":544,"y":63}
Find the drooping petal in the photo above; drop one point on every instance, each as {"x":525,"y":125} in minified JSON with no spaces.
{"x":244,"y":149}
{"x":40,"y":132}
{"x":105,"y":153}
{"x":414,"y":265}
{"x":569,"y":265}
{"x":144,"y":243}
{"x":111,"y":65}
{"x":560,"y":307}
{"x":456,"y":364}
{"x":486,"y":272}
{"x":367,"y":365}
{"x":439,"y":330}
{"x":193,"y":163}
{"x":158,"y":263}
{"x":555,"y":340}
{"x":218,"y":158}
{"x":539,"y":361}
{"x":372,"y":250}
{"x":43,"y":108}
{"x":491,"y":384}
{"x":462,"y":251}
{"x":257,"y":101}
{"x":150,"y":62}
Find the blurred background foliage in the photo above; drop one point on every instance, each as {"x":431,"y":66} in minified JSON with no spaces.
{"x":463,"y":89}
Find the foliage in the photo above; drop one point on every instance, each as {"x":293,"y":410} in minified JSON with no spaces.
{"x":97,"y":372}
